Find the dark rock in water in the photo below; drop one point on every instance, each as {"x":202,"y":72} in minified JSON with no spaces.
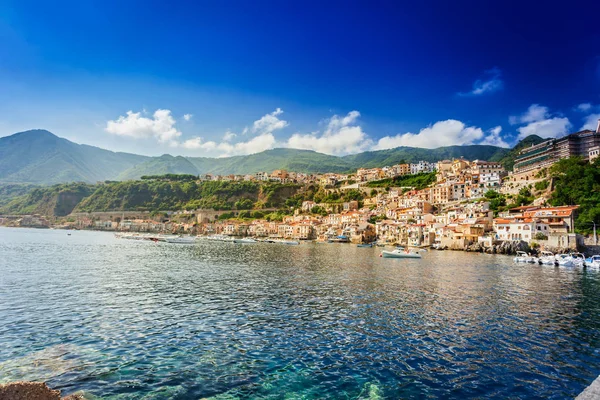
{"x":32,"y":391}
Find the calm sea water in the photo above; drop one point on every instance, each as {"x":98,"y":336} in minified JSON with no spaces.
{"x":122,"y":319}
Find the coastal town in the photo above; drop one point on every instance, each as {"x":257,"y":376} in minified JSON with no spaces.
{"x":455,"y":211}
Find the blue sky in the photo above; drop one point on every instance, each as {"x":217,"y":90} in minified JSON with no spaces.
{"x":224,"y":78}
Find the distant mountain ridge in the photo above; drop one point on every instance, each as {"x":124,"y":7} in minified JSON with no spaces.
{"x":40,"y":157}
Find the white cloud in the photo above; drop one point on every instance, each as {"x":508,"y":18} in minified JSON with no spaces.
{"x":197,"y":143}
{"x":187,"y":117}
{"x":490,"y":84}
{"x":534,"y":113}
{"x":257,"y":144}
{"x":341,"y":136}
{"x":442,"y":133}
{"x":493,"y":138}
{"x":161,"y":126}
{"x":584,"y":107}
{"x":591,"y":122}
{"x":546,"y":128}
{"x":229,"y":136}
{"x":269,"y":123}
{"x":540,"y":122}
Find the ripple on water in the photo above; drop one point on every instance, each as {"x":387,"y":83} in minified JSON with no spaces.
{"x":126,"y":320}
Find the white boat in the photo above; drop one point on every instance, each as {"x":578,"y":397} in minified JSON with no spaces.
{"x":594,"y":262}
{"x":564,"y":260}
{"x":180,"y":240}
{"x":547,"y":258}
{"x":523,"y":257}
{"x":578,"y":259}
{"x":398,"y":253}
{"x":289,"y":242}
{"x":244,"y":240}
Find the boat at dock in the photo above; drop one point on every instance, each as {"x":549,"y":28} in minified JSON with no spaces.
{"x":400,"y":253}
{"x":593,"y":261}
{"x":523,"y":257}
{"x":180,"y":240}
{"x":245,"y":240}
{"x":547,"y":258}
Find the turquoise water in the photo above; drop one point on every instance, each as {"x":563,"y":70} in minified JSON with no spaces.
{"x":122,"y":319}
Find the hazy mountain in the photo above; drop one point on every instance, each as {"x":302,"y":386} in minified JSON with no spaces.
{"x":40,"y":157}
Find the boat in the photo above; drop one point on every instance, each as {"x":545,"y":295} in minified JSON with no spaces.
{"x":523,"y":257}
{"x":593,"y":262}
{"x":178,"y":240}
{"x":578,"y":259}
{"x":398,"y":253}
{"x":564,"y":260}
{"x":289,"y":242}
{"x":547,"y":258}
{"x":244,"y":240}
{"x":365,"y":245}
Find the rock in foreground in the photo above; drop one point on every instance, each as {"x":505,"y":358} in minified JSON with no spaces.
{"x":31,"y":391}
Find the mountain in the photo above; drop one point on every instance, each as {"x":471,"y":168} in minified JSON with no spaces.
{"x":508,"y":159}
{"x":371,"y":159}
{"x":40,"y":157}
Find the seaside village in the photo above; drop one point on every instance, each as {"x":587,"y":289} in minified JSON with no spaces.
{"x":451,"y":213}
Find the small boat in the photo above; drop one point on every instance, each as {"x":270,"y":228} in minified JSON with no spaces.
{"x":547,"y":258}
{"x":244,"y":240}
{"x":578,"y":259}
{"x":523,"y":257}
{"x":365,"y":245}
{"x":593,"y":262}
{"x":179,"y":240}
{"x":289,"y":242}
{"x":564,"y":260}
{"x":398,"y":253}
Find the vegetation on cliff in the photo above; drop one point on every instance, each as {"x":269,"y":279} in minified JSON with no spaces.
{"x":57,"y":200}
{"x":576,"y":181}
{"x":418,"y":181}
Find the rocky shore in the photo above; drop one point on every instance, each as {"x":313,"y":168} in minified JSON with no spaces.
{"x":32,"y":391}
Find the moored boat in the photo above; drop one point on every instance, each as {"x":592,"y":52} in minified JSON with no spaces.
{"x":180,"y":240}
{"x":398,"y":253}
{"x":547,"y":258}
{"x":244,"y":240}
{"x":365,"y":245}
{"x":593,"y":261}
{"x":523,"y":257}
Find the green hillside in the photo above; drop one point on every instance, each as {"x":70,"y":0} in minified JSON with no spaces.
{"x":56,"y":200}
{"x":40,"y":157}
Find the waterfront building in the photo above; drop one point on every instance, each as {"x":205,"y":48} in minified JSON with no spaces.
{"x":547,"y":153}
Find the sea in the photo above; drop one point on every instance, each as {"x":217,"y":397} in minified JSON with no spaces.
{"x":111,"y":318}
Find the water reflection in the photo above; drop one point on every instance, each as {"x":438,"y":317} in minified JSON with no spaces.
{"x":127,"y":319}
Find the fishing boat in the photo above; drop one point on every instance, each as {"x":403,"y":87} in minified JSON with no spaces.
{"x":365,"y":245}
{"x":547,"y":258}
{"x":399,"y":253}
{"x":244,"y":240}
{"x":523,"y":257}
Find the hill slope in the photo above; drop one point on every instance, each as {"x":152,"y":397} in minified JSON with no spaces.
{"x":40,"y":157}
